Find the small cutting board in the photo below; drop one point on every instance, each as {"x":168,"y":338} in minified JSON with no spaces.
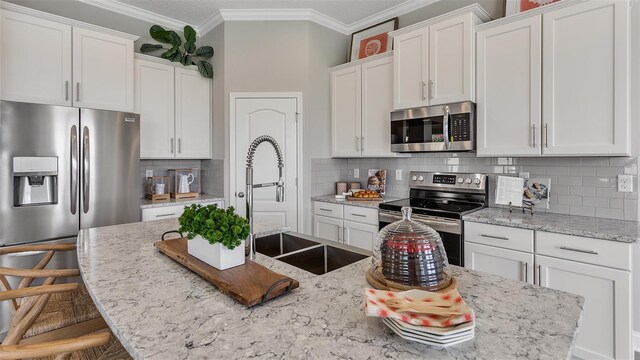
{"x":251,"y":283}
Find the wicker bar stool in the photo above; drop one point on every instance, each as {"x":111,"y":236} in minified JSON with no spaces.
{"x":50,"y":320}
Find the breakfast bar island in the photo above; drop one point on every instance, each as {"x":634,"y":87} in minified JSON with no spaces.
{"x":160,"y":310}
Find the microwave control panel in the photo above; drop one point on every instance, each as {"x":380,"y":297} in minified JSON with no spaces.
{"x":460,"y":127}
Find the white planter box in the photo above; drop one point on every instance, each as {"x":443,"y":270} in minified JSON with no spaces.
{"x":216,"y":255}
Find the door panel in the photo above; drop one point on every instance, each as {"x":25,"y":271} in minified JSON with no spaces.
{"x":193,"y":115}
{"x":510,"y":264}
{"x":110,"y":158}
{"x":102,"y":71}
{"x":154,"y":101}
{"x":360,"y":235}
{"x":410,"y":69}
{"x":508,"y":89}
{"x":377,"y":104}
{"x":585,"y":83}
{"x":346,"y":112}
{"x":605,"y":327}
{"x":327,"y":228}
{"x":36,"y":130}
{"x":275,"y":117}
{"x":25,"y":75}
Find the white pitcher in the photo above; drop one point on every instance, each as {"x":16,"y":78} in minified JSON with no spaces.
{"x":184,"y":183}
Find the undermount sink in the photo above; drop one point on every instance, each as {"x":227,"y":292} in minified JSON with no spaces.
{"x":307,"y":253}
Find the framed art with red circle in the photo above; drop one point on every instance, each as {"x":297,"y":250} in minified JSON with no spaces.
{"x":516,"y":6}
{"x":372,"y":40}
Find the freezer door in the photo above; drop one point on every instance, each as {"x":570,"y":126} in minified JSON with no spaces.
{"x":110,"y":158}
{"x":29,"y":131}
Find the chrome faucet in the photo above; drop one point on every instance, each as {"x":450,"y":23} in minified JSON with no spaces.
{"x":250,"y":185}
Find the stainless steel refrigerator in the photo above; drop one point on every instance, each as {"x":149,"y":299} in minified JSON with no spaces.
{"x":63,"y":169}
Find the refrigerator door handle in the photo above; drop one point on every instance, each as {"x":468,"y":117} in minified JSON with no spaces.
{"x":86,"y":170}
{"x":74,"y":169}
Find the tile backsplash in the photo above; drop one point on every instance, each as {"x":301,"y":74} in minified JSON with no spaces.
{"x":161,"y":168}
{"x":579,"y":185}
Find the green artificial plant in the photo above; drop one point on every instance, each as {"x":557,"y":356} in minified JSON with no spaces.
{"x":188,"y":54}
{"x":215,"y":225}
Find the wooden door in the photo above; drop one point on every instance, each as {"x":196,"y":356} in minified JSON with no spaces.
{"x":586,"y":78}
{"x":102,"y":71}
{"x":411,"y":69}
{"x":35,"y":59}
{"x":605,"y":328}
{"x":508,"y":89}
{"x":327,"y":228}
{"x":154,"y":101}
{"x":450,"y":65}
{"x":346,"y":112}
{"x":193,"y":114}
{"x":360,"y":235}
{"x":511,"y":264}
{"x":377,"y":104}
{"x":275,"y":117}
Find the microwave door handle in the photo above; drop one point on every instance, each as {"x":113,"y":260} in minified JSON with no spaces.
{"x":86,"y":170}
{"x":445,"y":126}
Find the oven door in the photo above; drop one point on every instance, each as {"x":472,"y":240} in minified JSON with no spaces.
{"x":450,"y":231}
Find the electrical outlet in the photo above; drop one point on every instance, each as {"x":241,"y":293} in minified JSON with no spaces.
{"x":523,"y":174}
{"x":356,"y":173}
{"x":625,"y":183}
{"x":398,"y":174}
{"x":148,"y":173}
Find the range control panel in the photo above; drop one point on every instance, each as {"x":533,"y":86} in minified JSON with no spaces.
{"x":452,"y":181}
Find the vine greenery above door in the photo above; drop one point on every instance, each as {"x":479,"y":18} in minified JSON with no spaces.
{"x":188,"y":54}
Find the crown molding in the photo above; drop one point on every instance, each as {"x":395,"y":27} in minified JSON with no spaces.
{"x":141,"y":14}
{"x":283,"y":15}
{"x":211,"y":22}
{"x":400,"y":9}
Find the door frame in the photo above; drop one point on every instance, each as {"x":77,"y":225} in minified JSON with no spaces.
{"x":233,"y":96}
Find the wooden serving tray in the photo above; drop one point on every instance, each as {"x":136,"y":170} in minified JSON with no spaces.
{"x":379,"y":282}
{"x":351,"y":198}
{"x":251,"y":283}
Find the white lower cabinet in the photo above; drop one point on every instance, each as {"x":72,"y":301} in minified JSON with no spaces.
{"x":515,"y":265}
{"x":168,"y":212}
{"x":351,"y":225}
{"x":598,"y":270}
{"x":605,"y":328}
{"x":327,"y":228}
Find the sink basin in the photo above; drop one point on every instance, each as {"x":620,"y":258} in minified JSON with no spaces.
{"x":308,"y":253}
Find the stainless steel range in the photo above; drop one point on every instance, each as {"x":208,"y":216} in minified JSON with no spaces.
{"x":440,"y":200}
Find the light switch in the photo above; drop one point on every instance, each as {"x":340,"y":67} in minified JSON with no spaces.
{"x":398,"y":174}
{"x":356,"y":173}
{"x":148,"y":173}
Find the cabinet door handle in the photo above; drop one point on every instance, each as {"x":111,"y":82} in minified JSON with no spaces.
{"x":430,"y":89}
{"x":66,"y":90}
{"x":171,"y":145}
{"x":526,"y":270}
{"x":494,"y":237}
{"x":179,"y":145}
{"x":340,"y":233}
{"x":546,"y":135}
{"x":357,"y":143}
{"x":540,"y":275}
{"x":534,"y":136}
{"x":363,"y":143}
{"x":423,"y":97}
{"x":323,"y":209}
{"x":359,"y":215}
{"x":77,"y":91}
{"x":591,"y":252}
{"x":164,"y":215}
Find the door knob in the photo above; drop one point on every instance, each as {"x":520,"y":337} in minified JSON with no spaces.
{"x":240,"y":194}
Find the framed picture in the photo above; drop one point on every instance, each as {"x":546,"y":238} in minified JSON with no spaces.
{"x":516,"y":6}
{"x":372,"y":40}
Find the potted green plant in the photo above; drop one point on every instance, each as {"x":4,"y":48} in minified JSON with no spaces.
{"x":215,"y":236}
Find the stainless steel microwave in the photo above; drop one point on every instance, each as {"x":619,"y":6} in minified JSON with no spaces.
{"x":448,"y":127}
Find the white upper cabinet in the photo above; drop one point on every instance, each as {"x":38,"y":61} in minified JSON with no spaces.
{"x":509,"y":71}
{"x":411,"y":69}
{"x":102,"y":71}
{"x":377,"y":104}
{"x":450,"y":61}
{"x":35,"y":58}
{"x":433,"y":60}
{"x":346,"y":112}
{"x":193,"y":114}
{"x":585,"y":82}
{"x":48,"y":59}
{"x":154,"y":101}
{"x":554,"y":81}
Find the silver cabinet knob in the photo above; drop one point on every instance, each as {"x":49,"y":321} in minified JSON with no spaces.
{"x":241,"y":194}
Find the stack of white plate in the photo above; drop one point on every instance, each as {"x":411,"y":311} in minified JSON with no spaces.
{"x":435,"y":336}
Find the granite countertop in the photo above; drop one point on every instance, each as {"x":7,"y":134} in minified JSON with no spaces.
{"x":606,"y":229}
{"x":369,"y":204}
{"x":146,"y":203}
{"x":160,"y":310}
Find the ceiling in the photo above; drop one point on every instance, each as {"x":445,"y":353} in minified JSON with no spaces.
{"x":345,"y":16}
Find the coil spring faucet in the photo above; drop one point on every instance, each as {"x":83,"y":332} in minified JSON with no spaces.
{"x":250,"y":185}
